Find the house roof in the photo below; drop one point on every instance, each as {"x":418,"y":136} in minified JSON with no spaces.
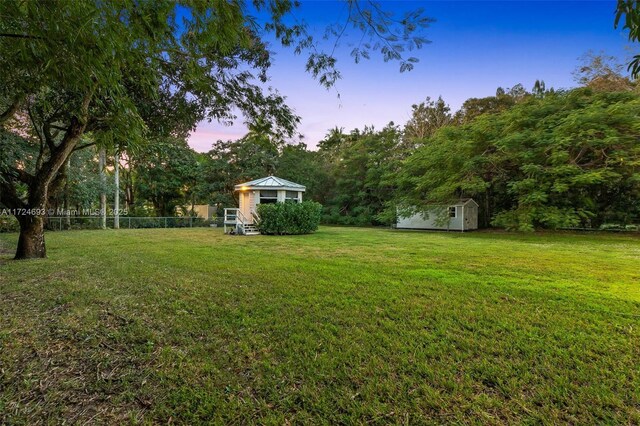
{"x":270,"y":182}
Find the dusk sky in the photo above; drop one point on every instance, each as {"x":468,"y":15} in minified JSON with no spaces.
{"x":475,"y":47}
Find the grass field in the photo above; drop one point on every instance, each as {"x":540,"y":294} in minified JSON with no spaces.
{"x":348,"y":326}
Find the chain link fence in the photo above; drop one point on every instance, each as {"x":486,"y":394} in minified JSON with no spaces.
{"x":55,"y":223}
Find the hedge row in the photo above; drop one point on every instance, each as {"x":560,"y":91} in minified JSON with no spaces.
{"x":289,"y":218}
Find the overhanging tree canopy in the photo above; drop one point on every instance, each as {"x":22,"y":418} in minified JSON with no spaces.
{"x":123,"y":69}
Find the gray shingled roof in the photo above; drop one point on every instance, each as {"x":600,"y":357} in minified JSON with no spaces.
{"x":271,"y":182}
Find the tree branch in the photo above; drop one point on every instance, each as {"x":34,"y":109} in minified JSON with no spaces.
{"x":24,"y":176}
{"x":10,"y":111}
{"x":46,"y":129}
{"x":9,"y":196}
{"x":86,"y":145}
{"x":54,"y":126}
{"x":60,"y":153}
{"x":40,"y":138}
{"x":27,"y":36}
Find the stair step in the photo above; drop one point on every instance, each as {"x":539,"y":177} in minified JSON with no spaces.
{"x":251,"y":229}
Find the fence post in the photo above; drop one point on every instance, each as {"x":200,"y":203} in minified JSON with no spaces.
{"x":190,"y":221}
{"x":129,"y":222}
{"x":165,"y":222}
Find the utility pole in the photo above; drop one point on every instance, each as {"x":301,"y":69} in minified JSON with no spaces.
{"x":67,"y":212}
{"x":116,"y":200}
{"x":102,"y":160}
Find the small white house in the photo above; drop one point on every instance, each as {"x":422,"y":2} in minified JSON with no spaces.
{"x":459,"y":216}
{"x":265,"y":190}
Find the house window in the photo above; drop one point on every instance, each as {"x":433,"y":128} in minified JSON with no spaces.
{"x":292,"y":197}
{"x":453,"y":211}
{"x":268,"y":197}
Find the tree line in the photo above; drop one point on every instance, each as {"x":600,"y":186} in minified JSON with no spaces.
{"x":538,"y":158}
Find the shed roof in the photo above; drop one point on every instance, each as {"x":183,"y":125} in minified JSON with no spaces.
{"x":271,"y":182}
{"x":456,"y":202}
{"x":465,"y":201}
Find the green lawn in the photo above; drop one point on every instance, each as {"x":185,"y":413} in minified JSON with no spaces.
{"x":347,"y":326}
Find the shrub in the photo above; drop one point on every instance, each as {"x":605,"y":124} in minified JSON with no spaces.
{"x":289,"y":218}
{"x":9,"y":224}
{"x":611,"y":227}
{"x":618,"y":227}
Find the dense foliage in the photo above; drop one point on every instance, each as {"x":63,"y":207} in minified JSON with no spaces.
{"x":564,"y":160}
{"x":289,"y":218}
{"x":362,"y":166}
{"x":628,"y":17}
{"x":165,"y":174}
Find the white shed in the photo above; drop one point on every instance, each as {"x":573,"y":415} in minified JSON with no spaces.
{"x":459,"y":216}
{"x":265,"y":190}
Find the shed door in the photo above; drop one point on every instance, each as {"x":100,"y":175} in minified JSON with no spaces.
{"x":471,"y":217}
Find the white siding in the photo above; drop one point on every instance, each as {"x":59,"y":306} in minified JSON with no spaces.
{"x":434,"y":219}
{"x":255,"y":200}
{"x":241,"y":201}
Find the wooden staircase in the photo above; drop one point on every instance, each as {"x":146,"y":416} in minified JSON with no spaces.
{"x":251,"y":229}
{"x":239,"y":224}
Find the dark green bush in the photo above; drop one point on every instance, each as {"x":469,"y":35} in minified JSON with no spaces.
{"x":9,"y":224}
{"x":289,"y":218}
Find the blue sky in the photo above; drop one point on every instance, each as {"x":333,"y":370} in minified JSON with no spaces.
{"x":475,"y":47}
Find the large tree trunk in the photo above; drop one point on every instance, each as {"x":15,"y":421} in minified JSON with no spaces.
{"x":31,"y":240}
{"x":486,"y":217}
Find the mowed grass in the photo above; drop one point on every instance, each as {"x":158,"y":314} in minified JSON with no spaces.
{"x":345,"y":326}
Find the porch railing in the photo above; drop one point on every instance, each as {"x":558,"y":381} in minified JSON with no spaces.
{"x":235,"y":218}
